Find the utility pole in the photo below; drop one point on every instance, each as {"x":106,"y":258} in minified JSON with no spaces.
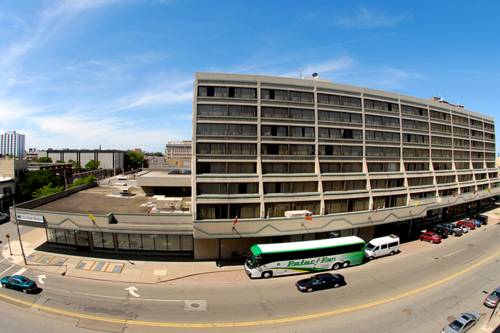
{"x":19,"y":233}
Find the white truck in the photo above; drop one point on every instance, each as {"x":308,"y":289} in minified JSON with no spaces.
{"x":382,"y":246}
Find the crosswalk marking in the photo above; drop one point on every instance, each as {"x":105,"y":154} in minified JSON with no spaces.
{"x":5,"y":270}
{"x":21,"y":271}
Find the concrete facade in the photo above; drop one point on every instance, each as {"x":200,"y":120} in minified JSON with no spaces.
{"x":108,"y":159}
{"x":178,"y":154}
{"x":355,"y":157}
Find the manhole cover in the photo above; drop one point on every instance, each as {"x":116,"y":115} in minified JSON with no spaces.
{"x":195,"y":305}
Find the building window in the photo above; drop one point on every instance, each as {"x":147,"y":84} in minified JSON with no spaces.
{"x":340,"y":117}
{"x":383,"y":167}
{"x":285,"y":95}
{"x":227,"y":211}
{"x":339,"y":100}
{"x":389,"y":201}
{"x":413,"y":110}
{"x":336,"y":150}
{"x":381,"y":106}
{"x":234,"y":92}
{"x":278,"y":209}
{"x":344,"y":185}
{"x":420,"y":181}
{"x":290,"y":187}
{"x":340,"y":167}
{"x":380,"y":121}
{"x":346,"y":205}
{"x":284,"y":168}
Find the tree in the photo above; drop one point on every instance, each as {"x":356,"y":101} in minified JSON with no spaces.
{"x":92,"y":165}
{"x":75,"y":165}
{"x":31,"y":181}
{"x":134,"y":160}
{"x":158,"y":154}
{"x":44,"y":160}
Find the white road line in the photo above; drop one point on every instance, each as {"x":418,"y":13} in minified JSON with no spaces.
{"x":116,"y":297}
{"x":5,"y":270}
{"x":21,"y":271}
{"x":1,"y":261}
{"x":453,"y":253}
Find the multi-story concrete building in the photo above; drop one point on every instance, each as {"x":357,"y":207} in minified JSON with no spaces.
{"x":356,"y":158}
{"x":363,"y":162}
{"x":108,"y":159}
{"x":12,"y":143}
{"x":178,"y":154}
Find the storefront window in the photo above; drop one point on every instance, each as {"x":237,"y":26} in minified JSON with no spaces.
{"x":148,"y":242}
{"x":60,"y":236}
{"x":123,"y":243}
{"x":70,"y":237}
{"x":107,"y":240}
{"x":82,"y":238}
{"x":174,"y":243}
{"x":161,"y":243}
{"x":186,"y":243}
{"x":51,"y":235}
{"x":97,"y":240}
{"x":135,"y":241}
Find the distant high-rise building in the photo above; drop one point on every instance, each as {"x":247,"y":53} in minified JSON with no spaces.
{"x":12,"y":143}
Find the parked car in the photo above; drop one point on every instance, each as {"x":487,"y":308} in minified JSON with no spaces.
{"x":443,"y":232}
{"x":463,"y":323}
{"x":491,"y":300}
{"x":469,"y":224}
{"x":465,"y":229}
{"x":19,"y":282}
{"x":482,"y":218}
{"x":320,"y":281}
{"x":477,"y":223}
{"x":430,"y":236}
{"x":452,"y":229}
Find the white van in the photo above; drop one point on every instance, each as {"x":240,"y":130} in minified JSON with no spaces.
{"x":382,"y":246}
{"x":121,"y":177}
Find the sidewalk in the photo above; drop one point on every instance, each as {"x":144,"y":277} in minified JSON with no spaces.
{"x":137,"y":271}
{"x":130,"y":271}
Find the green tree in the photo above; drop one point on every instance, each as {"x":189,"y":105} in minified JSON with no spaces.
{"x":30,"y":181}
{"x":75,"y":165}
{"x":92,"y":165}
{"x":134,"y":160}
{"x":47,"y":190}
{"x":158,"y":154}
{"x":44,"y":160}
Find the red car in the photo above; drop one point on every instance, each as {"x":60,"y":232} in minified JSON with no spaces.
{"x":430,"y":236}
{"x":469,"y":224}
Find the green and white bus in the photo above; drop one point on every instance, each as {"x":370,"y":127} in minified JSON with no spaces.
{"x":268,"y":260}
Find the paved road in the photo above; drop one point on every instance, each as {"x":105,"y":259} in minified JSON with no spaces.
{"x":425,"y":310}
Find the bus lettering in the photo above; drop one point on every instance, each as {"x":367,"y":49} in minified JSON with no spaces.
{"x":302,"y":262}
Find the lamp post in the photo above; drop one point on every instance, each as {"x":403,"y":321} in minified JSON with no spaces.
{"x":19,"y":232}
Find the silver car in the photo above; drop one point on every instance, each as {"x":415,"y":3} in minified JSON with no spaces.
{"x":463,"y":323}
{"x":491,"y":300}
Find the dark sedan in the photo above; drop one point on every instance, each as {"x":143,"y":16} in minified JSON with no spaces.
{"x":320,"y":281}
{"x":19,"y":282}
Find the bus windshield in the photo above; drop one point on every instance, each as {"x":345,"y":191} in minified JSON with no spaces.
{"x":252,"y":261}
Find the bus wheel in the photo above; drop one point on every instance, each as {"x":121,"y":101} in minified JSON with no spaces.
{"x":346,"y":264}
{"x":336,"y":266}
{"x":267,"y":274}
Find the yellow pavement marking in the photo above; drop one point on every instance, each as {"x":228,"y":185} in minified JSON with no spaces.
{"x":283,"y":320}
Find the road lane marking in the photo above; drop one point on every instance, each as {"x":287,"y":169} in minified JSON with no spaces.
{"x":453,"y":253}
{"x":5,"y":270}
{"x":283,"y":320}
{"x":123,"y":298}
{"x":21,"y":271}
{"x":133,"y":291}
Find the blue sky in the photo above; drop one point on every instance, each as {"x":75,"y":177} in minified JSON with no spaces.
{"x":119,"y":73}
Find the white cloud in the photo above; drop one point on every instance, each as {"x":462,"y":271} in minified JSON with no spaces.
{"x":174,"y":94}
{"x":50,"y":20}
{"x":365,"y":18}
